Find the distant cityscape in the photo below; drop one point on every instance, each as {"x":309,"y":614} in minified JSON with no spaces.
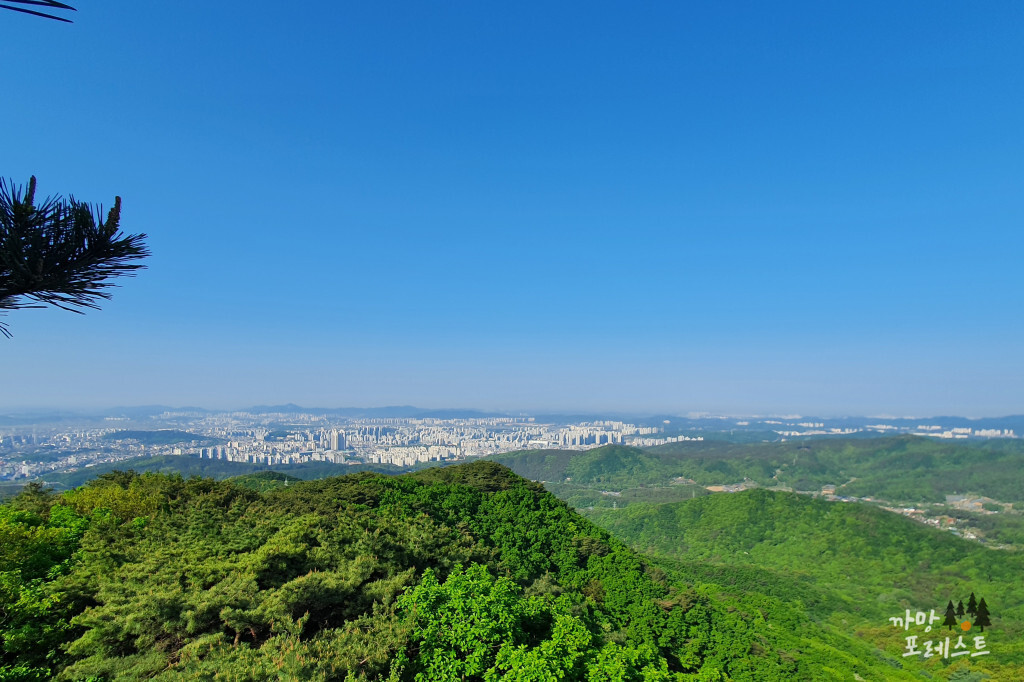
{"x":36,"y":447}
{"x":294,"y":438}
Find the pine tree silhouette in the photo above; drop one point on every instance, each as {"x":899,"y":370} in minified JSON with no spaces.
{"x":972,"y":606}
{"x":950,"y":621}
{"x":960,"y":609}
{"x":60,"y":252}
{"x":51,"y":4}
{"x":982,"y":618}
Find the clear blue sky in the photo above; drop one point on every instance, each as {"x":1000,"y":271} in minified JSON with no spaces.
{"x":734,"y":207}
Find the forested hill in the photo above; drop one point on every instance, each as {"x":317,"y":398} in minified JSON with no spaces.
{"x":615,"y":465}
{"x":212,"y":468}
{"x":460,"y":573}
{"x":903,"y":468}
{"x":850,"y":563}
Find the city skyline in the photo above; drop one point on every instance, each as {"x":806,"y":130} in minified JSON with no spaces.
{"x":726,"y":209}
{"x":290,"y":435}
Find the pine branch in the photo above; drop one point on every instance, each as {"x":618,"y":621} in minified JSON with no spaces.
{"x":40,"y":3}
{"x":61,"y":252}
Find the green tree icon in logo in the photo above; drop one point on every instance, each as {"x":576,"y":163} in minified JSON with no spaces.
{"x":982,"y":619}
{"x":950,"y":621}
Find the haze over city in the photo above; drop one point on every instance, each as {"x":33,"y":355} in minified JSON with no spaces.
{"x":727,"y":209}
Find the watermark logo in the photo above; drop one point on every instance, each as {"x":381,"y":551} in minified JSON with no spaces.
{"x":973,"y":617}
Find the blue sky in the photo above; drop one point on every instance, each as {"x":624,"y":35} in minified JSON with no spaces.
{"x":733,"y":207}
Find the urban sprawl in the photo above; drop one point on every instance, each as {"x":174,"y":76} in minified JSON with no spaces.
{"x":33,"y":451}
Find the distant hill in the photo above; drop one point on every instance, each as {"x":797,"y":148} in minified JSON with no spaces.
{"x":863,"y":551}
{"x":1014,"y":422}
{"x":901,"y":468}
{"x":264,"y":480}
{"x":597,"y":497}
{"x":849,"y":563}
{"x":614,"y":466}
{"x":144,"y":411}
{"x":212,"y":468}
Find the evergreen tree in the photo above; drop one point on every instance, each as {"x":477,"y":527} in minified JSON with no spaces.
{"x":950,"y":620}
{"x":972,"y":606}
{"x":960,"y":609}
{"x":982,"y":619}
{"x":34,"y":497}
{"x":60,"y":252}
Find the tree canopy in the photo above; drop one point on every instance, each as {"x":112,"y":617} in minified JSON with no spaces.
{"x":465,"y":573}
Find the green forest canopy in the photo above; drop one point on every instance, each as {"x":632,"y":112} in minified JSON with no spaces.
{"x":364,"y":577}
{"x":903,"y":468}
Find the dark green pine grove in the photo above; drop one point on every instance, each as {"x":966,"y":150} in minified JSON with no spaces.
{"x":460,"y":573}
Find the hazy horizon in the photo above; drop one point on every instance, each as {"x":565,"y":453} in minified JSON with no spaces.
{"x":539,"y":412}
